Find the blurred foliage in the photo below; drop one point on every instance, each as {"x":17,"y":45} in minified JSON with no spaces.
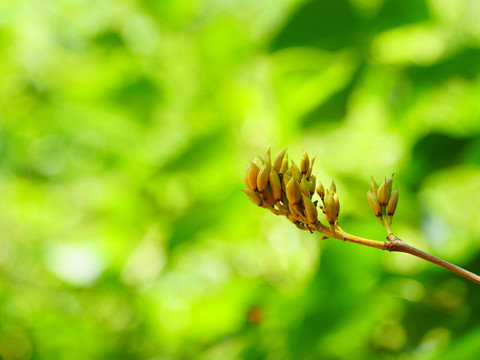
{"x":125,"y":129}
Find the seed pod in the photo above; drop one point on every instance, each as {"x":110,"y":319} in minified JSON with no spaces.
{"x":330,"y":208}
{"x":311,"y":183}
{"x":392,"y":203}
{"x":384,"y":191}
{"x":304,"y":163}
{"x":245,"y":179}
{"x":286,"y":178}
{"x":275,"y":185}
{"x":254,"y":197}
{"x":310,"y":210}
{"x":284,"y":166}
{"x":333,"y":187}
{"x":262,"y":179}
{"x":268,"y":196}
{"x":321,"y":190}
{"x":373,"y":202}
{"x":305,"y":187}
{"x":373,"y":185}
{"x":310,"y":168}
{"x":337,"y":205}
{"x":277,"y":163}
{"x":296,"y":173}
{"x":259,"y":161}
{"x":252,"y":174}
{"x":267,"y":157}
{"x":293,"y":191}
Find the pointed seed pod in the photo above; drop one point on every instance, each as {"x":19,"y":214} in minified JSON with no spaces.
{"x":275,"y":185}
{"x":384,"y":191}
{"x":252,"y":174}
{"x":310,"y":210}
{"x":305,"y":187}
{"x":296,"y":173}
{"x":392,"y":203}
{"x":321,"y":190}
{"x":311,"y":183}
{"x":277,"y":163}
{"x":284,"y":166}
{"x":333,"y":187}
{"x":337,"y":205}
{"x":245,"y":179}
{"x":304,"y":162}
{"x":254,"y":197}
{"x":263,"y":176}
{"x":259,"y":161}
{"x":330,"y":208}
{"x":286,"y":178}
{"x":267,"y":157}
{"x":373,"y":185}
{"x":268,"y":196}
{"x":373,"y":202}
{"x":310,"y":168}
{"x":293,"y":191}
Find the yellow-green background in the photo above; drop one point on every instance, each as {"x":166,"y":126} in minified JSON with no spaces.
{"x":125,"y":130}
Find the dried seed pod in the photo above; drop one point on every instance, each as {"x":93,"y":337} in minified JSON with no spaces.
{"x":304,"y":163}
{"x":263,"y":175}
{"x":311,"y":183}
{"x":254,"y":197}
{"x":293,"y":191}
{"x":320,"y":190}
{"x":305,"y":187}
{"x":373,"y":202}
{"x":310,"y":210}
{"x":310,"y":168}
{"x":296,"y":173}
{"x":252,"y":174}
{"x":284,"y":167}
{"x":275,"y":185}
{"x":392,"y":203}
{"x":330,"y":208}
{"x":268,"y":196}
{"x":277,"y":163}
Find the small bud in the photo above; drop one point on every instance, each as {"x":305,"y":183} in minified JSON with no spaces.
{"x":373,"y":202}
{"x":392,"y":203}
{"x":268,"y":196}
{"x":309,"y":172}
{"x":254,"y":197}
{"x":275,"y":185}
{"x":267,"y":157}
{"x":310,"y":210}
{"x":284,"y":166}
{"x":384,"y":191}
{"x":296,"y":173}
{"x":259,"y":161}
{"x":263,"y":176}
{"x":304,"y":163}
{"x":285,"y":180}
{"x":337,"y":205}
{"x":293,"y":191}
{"x":373,"y":185}
{"x":321,"y":190}
{"x":311,"y":183}
{"x":277,"y":163}
{"x":245,"y":179}
{"x":252,"y":174}
{"x":333,"y":187}
{"x":305,"y":187}
{"x":330,"y":208}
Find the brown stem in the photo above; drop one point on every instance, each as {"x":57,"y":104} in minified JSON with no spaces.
{"x":395,"y":244}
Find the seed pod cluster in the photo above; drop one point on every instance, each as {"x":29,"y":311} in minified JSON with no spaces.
{"x":287,"y":189}
{"x":383,"y":199}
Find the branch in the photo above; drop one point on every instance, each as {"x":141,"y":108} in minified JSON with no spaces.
{"x":395,"y":244}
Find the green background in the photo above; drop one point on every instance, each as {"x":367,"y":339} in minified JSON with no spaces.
{"x":125,"y":130}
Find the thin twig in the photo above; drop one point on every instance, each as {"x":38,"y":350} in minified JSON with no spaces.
{"x":395,"y":244}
